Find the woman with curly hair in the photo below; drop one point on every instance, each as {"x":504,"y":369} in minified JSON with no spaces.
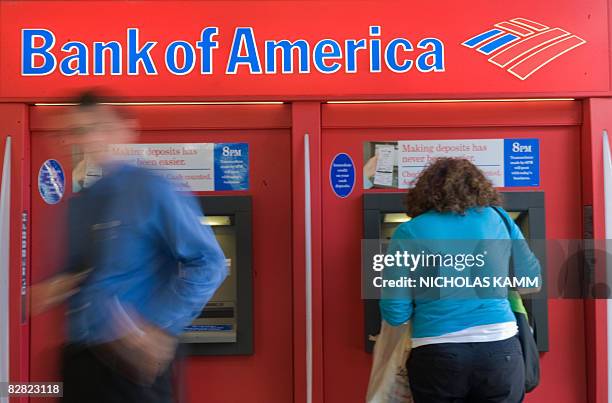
{"x":464,"y":349}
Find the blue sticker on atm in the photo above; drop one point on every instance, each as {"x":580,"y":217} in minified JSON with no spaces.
{"x":342,"y":175}
{"x":209,"y":328}
{"x":521,"y":162}
{"x":51,"y":181}
{"x":231,"y":166}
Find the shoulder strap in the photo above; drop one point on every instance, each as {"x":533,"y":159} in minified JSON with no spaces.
{"x":504,"y":220}
{"x":507,"y":225}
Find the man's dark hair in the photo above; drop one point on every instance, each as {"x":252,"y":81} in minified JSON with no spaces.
{"x":92,"y":98}
{"x":88,"y":99}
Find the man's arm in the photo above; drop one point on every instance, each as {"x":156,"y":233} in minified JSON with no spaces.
{"x":196,"y":251}
{"x":57,"y":289}
{"x":146,"y":334}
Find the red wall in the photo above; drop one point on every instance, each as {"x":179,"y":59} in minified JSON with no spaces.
{"x":328,"y":312}
{"x":14,"y":122}
{"x":598,"y":116}
{"x":347,"y":127}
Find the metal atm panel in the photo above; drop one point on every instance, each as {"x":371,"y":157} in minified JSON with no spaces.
{"x":383,"y":212}
{"x":225,"y":325}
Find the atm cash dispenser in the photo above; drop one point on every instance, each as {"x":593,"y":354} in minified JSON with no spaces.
{"x":225,"y":325}
{"x":383,"y":212}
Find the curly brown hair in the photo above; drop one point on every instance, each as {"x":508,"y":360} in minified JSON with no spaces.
{"x":451,"y":184}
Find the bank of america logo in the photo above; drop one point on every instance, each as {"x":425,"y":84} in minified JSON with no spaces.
{"x":522,"y":47}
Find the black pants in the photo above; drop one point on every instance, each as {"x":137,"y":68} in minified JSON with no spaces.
{"x":468,"y":372}
{"x":87,"y":379}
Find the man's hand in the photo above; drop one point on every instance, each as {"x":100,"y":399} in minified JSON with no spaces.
{"x":144,"y":352}
{"x":52,"y":292}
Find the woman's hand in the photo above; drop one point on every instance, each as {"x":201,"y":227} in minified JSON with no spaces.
{"x":369,"y":169}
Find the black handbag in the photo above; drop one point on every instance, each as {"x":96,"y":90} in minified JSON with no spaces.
{"x":531,"y":355}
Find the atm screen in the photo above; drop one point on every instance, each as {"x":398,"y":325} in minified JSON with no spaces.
{"x":225,"y":324}
{"x":217,"y":321}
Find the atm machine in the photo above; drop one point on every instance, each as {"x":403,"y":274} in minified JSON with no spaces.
{"x":225,"y":325}
{"x":383,"y":212}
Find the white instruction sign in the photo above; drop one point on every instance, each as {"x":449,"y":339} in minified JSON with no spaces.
{"x":486,"y":154}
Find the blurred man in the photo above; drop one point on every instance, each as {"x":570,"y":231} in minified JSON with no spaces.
{"x":144,"y":267}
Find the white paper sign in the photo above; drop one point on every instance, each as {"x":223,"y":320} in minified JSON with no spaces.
{"x":189,"y":166}
{"x":486,"y":154}
{"x":384,"y":165}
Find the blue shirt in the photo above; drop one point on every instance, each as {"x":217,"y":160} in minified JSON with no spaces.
{"x":433,"y":317}
{"x":150,"y":257}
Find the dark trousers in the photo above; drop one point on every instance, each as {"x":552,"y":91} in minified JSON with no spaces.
{"x":490,"y":372}
{"x":88,"y":379}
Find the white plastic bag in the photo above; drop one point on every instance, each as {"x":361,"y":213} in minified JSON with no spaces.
{"x":389,"y":378}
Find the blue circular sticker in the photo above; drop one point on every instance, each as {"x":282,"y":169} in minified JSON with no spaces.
{"x":51,"y":182}
{"x":342,"y":175}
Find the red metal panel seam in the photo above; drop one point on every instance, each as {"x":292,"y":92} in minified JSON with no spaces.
{"x":297,"y":196}
{"x":13,"y":120}
{"x":587,"y":199}
{"x":595,"y":309}
{"x":211,"y":117}
{"x":600,"y":306}
{"x":473,"y":114}
{"x":318,"y":98}
{"x":609,"y":45}
{"x":314,"y":131}
{"x":315,"y":121}
{"x":25,"y":206}
{"x":306,"y":119}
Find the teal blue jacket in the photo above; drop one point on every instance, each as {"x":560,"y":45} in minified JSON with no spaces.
{"x":457,"y":309}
